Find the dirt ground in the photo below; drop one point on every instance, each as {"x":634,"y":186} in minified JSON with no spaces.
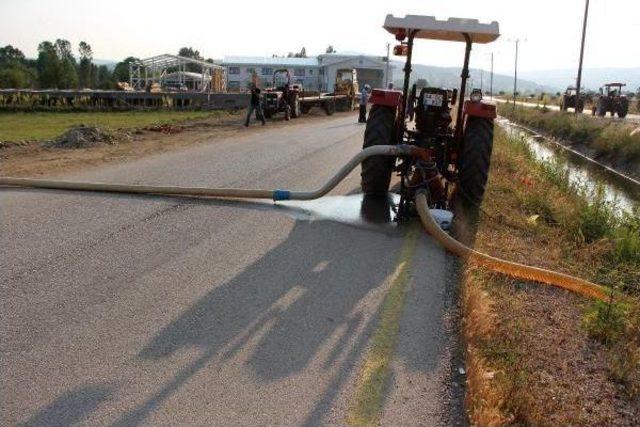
{"x":40,"y":159}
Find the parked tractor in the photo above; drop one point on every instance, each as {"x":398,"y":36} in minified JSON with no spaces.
{"x":611,"y":100}
{"x":570,"y":100}
{"x":282,"y":96}
{"x":454,"y":156}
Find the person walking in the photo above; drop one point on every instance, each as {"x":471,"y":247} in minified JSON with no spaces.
{"x":364,"y":98}
{"x":255,"y":105}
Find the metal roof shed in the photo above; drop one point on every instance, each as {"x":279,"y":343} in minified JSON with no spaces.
{"x":156,"y":68}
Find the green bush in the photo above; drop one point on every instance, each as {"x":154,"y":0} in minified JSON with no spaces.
{"x":605,"y":321}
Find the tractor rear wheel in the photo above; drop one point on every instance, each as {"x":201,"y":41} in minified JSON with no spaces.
{"x":376,"y":170}
{"x":475,"y":159}
{"x":329,"y":107}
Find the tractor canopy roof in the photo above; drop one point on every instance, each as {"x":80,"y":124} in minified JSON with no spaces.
{"x":453,"y":29}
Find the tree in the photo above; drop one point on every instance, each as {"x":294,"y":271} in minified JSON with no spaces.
{"x":301,"y":54}
{"x":17,"y":76}
{"x":85,"y":67}
{"x":420,"y":83}
{"x":330,"y":49}
{"x":121,"y":70}
{"x":189,"y":52}
{"x":48,"y":65}
{"x":68,"y":75}
{"x":15,"y":70}
{"x":56,"y":65}
{"x":104,"y":78}
{"x":10,"y":53}
{"x":63,"y":50}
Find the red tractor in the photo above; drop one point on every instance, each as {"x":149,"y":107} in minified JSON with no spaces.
{"x":611,"y":100}
{"x":455,"y":155}
{"x":282,"y":96}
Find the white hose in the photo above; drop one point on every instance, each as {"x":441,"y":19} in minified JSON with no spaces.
{"x":378,"y":150}
{"x":507,"y":267}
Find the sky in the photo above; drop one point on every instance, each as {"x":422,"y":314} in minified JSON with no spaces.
{"x":549,"y":30}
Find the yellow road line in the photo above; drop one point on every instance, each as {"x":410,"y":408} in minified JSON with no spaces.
{"x":367,"y":400}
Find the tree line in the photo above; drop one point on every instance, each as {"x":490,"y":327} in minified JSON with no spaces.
{"x":57,"y":67}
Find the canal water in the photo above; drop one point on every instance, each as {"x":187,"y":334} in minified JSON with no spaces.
{"x":622,"y":193}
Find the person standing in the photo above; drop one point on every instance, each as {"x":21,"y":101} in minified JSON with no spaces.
{"x":364,"y":98}
{"x":255,"y":105}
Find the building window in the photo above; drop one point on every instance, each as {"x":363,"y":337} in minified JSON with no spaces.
{"x":321,"y":71}
{"x":233,"y":85}
{"x":266,"y":71}
{"x":299,"y":72}
{"x":234,"y":70}
{"x":251,"y":70}
{"x":311,"y":72}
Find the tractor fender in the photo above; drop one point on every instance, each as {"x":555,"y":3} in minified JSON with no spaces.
{"x":388,"y":98}
{"x":480,"y":109}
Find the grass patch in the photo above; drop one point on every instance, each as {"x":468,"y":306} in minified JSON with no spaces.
{"x":607,"y":138}
{"x":369,"y":393}
{"x":48,"y":125}
{"x":537,"y":355}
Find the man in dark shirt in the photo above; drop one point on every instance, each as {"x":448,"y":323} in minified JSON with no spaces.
{"x":256,"y":105}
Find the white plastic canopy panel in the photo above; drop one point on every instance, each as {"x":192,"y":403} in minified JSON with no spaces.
{"x":452,"y":29}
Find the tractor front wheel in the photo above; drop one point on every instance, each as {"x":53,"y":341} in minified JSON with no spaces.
{"x":295,"y":106}
{"x":475,"y":159}
{"x":376,"y":170}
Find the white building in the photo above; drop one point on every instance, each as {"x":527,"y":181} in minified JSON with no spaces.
{"x":315,"y":73}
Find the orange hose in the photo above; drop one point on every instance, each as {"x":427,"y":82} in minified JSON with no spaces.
{"x":509,"y":268}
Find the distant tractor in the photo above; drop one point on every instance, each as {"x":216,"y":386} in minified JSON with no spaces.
{"x":452,"y":156}
{"x":282,"y":96}
{"x":570,"y":100}
{"x":611,"y":100}
{"x":346,"y":85}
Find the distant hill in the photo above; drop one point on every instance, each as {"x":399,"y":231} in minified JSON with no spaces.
{"x":450,"y":77}
{"x":110,"y":63}
{"x":592,"y":78}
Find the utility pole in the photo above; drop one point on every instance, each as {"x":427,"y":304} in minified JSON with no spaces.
{"x":515,"y":76}
{"x":491,"y":80}
{"x":386,"y":78}
{"x":584,"y":33}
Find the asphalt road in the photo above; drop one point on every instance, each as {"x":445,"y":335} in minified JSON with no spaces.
{"x":123,"y":310}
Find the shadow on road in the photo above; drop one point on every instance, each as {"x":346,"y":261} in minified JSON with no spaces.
{"x":71,"y":407}
{"x":287,"y":306}
{"x":301,"y":303}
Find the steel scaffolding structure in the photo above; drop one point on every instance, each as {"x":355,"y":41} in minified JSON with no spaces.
{"x":173,"y":72}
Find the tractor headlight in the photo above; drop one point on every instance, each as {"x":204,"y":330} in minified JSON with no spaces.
{"x":476,"y":95}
